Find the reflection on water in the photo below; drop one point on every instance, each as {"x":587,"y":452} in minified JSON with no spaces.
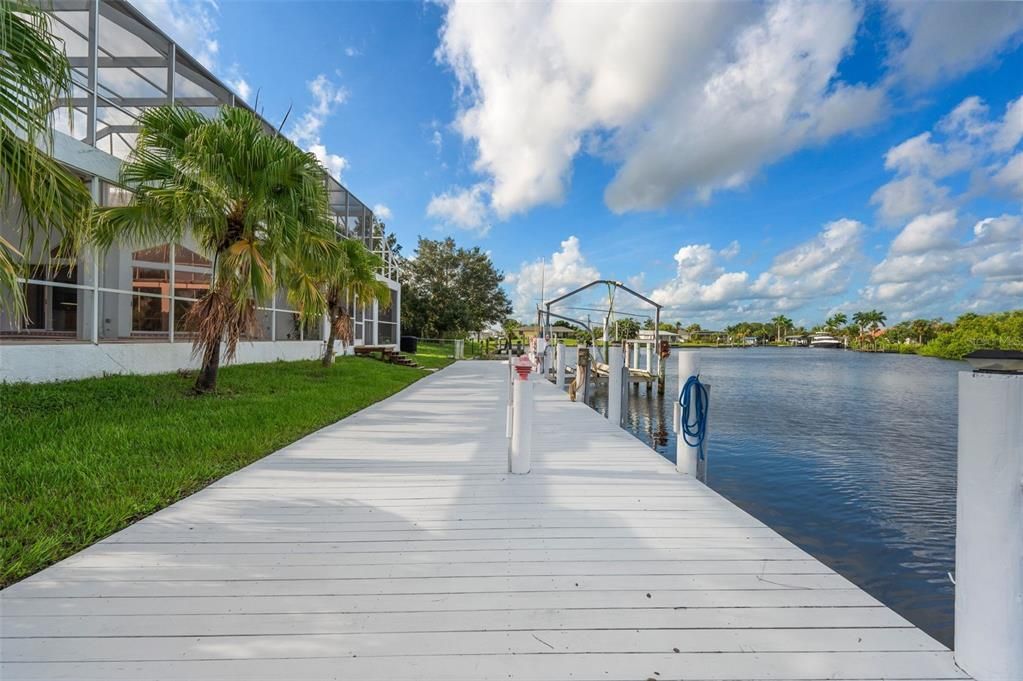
{"x":851,"y":456}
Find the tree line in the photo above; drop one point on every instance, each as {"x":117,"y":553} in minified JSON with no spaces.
{"x":865,"y":330}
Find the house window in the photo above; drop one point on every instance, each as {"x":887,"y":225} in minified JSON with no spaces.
{"x":151,"y":277}
{"x":53,"y":308}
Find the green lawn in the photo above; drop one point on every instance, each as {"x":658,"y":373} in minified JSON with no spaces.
{"x":82,"y":459}
{"x":434,"y":355}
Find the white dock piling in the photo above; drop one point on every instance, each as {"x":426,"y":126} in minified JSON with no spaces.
{"x":522,"y":427}
{"x":686,"y":457}
{"x":541,"y":356}
{"x":615,"y":363}
{"x":559,"y":376}
{"x":989,"y":527}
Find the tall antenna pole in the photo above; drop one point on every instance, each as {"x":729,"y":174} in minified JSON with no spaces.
{"x":545,"y":330}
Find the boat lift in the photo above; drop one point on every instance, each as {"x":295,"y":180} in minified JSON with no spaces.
{"x":649,"y":371}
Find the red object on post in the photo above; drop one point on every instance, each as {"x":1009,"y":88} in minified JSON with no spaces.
{"x":524,"y":367}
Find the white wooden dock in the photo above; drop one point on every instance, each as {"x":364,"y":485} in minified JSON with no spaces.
{"x":393,"y":545}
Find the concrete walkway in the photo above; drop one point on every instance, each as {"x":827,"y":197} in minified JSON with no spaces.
{"x":393,"y":545}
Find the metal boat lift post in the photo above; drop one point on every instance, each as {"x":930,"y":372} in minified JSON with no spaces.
{"x":618,"y":284}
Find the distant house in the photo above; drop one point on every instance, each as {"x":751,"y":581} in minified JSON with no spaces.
{"x":705,"y":336}
{"x":530,"y":331}
{"x":648,"y":335}
{"x":797,"y":339}
{"x":750,"y":341}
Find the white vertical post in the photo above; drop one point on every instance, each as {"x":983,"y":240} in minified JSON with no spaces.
{"x":396,"y":307}
{"x":170,"y":292}
{"x":94,"y":335}
{"x":541,"y":356}
{"x":511,"y":397}
{"x":172,"y":70}
{"x":686,"y":457}
{"x":650,"y":358}
{"x":92,"y":75}
{"x":559,"y":376}
{"x":989,"y":527}
{"x":522,"y":426}
{"x":97,"y":258}
{"x":273,"y":307}
{"x":615,"y":363}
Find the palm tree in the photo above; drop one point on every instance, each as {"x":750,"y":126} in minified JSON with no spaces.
{"x":510,"y":326}
{"x":877,"y":319}
{"x":781,"y":324}
{"x":921,"y":328}
{"x":835,"y":321}
{"x":870,"y":320}
{"x":254,"y":202}
{"x":347,"y":273}
{"x":860,"y":320}
{"x":50,"y":202}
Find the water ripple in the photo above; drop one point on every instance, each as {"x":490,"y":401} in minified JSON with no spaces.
{"x":851,"y":456}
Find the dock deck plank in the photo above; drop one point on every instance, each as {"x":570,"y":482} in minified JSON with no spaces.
{"x":394,"y":545}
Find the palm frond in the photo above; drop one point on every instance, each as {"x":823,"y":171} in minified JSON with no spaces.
{"x":11,"y":265}
{"x":50,"y":203}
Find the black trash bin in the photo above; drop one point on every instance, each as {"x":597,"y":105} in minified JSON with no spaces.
{"x":410,"y":344}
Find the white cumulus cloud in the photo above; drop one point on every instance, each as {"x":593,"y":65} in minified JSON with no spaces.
{"x":464,"y":208}
{"x":555,"y":275}
{"x":908,"y":196}
{"x":1010,"y":176}
{"x":688,"y":97}
{"x":970,"y":139}
{"x":191,"y":23}
{"x":327,"y":97}
{"x":930,"y":232}
{"x":815,"y":269}
{"x":948,"y":39}
{"x":927,"y":267}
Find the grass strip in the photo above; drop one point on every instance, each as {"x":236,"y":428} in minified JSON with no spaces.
{"x":80,"y":460}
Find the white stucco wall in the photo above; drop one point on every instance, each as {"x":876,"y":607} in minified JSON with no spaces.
{"x":61,"y":362}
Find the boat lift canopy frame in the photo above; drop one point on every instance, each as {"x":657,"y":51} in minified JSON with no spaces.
{"x":607,"y":282}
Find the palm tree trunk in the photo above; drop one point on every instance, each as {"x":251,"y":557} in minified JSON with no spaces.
{"x":328,"y":352}
{"x":207,"y":379}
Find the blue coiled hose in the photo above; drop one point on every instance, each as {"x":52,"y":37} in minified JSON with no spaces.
{"x":695,"y":401}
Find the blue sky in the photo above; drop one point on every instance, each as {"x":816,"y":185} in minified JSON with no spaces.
{"x":736,"y":161}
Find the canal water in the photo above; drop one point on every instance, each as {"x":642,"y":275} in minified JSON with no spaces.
{"x":849,"y":455}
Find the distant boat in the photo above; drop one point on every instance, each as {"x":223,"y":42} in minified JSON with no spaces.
{"x":823,"y":340}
